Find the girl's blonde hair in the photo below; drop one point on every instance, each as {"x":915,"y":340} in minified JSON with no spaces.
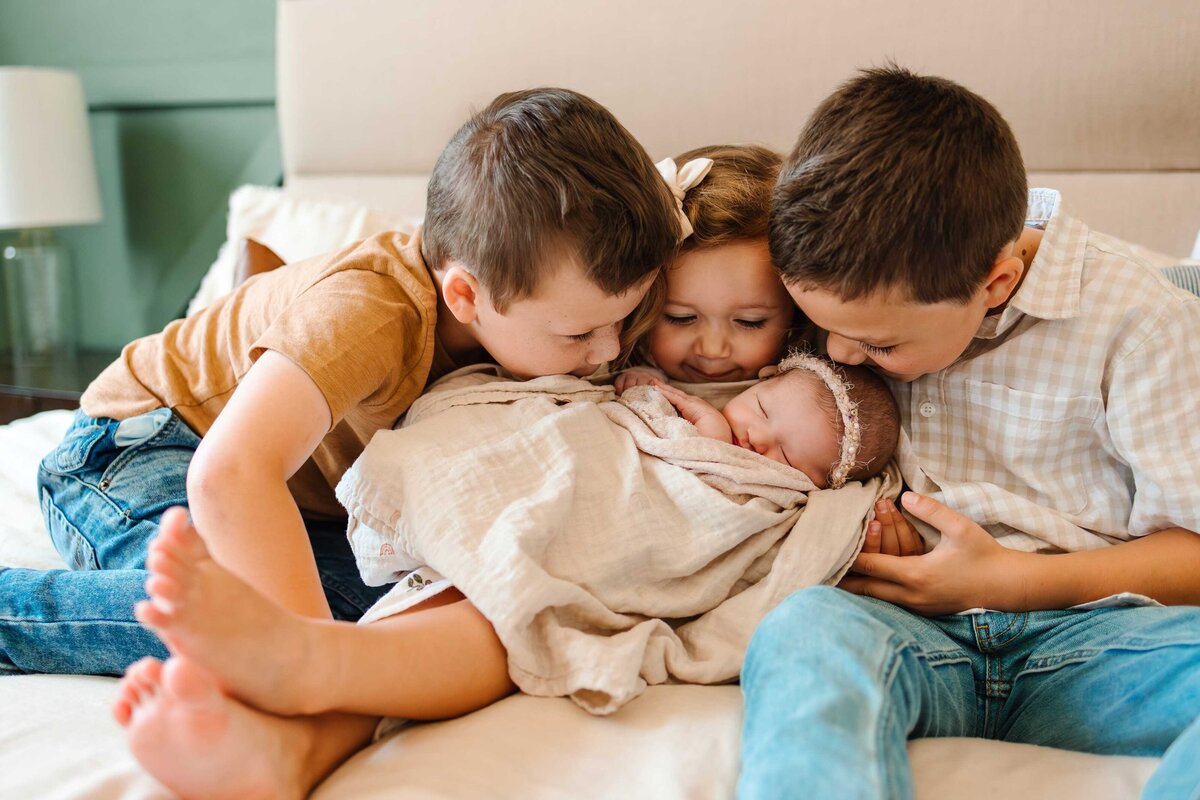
{"x":733,"y":202}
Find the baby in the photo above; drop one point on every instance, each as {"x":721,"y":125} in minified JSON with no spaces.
{"x":833,"y":423}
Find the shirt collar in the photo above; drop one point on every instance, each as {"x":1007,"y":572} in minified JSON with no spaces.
{"x":1052,"y":285}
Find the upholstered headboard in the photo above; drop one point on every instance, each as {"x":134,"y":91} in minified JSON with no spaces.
{"x":1104,"y":95}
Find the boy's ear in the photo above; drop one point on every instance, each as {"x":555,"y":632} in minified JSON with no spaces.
{"x":1004,"y":278}
{"x":460,"y":292}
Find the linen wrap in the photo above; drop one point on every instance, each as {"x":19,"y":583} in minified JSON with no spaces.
{"x":609,"y":544}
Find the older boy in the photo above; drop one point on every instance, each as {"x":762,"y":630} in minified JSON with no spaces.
{"x":546,"y":225}
{"x":1047,"y":376}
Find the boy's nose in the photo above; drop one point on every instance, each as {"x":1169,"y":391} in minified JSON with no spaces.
{"x":843,"y":350}
{"x":606,"y":345}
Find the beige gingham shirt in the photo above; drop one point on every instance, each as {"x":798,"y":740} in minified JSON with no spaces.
{"x":1072,"y":421}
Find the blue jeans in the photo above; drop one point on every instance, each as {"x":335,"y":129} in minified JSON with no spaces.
{"x":836,"y":684}
{"x":102,"y":491}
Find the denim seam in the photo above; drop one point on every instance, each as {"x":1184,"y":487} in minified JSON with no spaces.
{"x":61,"y":519}
{"x":41,"y":623}
{"x":887,"y":675}
{"x":897,"y":646}
{"x":991,"y":639}
{"x":92,"y":487}
{"x":127,"y":453}
{"x":1085,"y":654}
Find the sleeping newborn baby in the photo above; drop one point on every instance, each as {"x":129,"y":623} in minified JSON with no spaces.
{"x":610,"y":543}
{"x":832,"y":422}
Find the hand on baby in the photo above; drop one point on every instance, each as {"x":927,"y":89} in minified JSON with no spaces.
{"x":704,"y":415}
{"x":966,"y":569}
{"x":636,"y":376}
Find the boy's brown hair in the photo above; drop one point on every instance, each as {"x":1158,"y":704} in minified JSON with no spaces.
{"x":543,"y":175}
{"x":898,"y":181}
{"x":733,"y":202}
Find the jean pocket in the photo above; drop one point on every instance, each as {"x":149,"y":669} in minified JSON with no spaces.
{"x":72,"y":453}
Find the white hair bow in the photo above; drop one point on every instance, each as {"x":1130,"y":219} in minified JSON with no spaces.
{"x":679,"y":180}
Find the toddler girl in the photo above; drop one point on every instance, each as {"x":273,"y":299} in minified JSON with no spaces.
{"x":727,"y":314}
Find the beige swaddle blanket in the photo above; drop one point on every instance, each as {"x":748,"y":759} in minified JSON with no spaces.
{"x":610,"y":545}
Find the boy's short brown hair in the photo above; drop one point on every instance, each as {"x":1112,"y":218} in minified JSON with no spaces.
{"x":898,"y":181}
{"x":542,"y":175}
{"x":733,"y":202}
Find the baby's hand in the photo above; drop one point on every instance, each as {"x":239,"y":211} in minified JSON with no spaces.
{"x":636,"y":376}
{"x":891,"y":533}
{"x":701,"y":413}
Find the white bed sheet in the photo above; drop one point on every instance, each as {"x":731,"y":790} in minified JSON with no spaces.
{"x":58,"y":741}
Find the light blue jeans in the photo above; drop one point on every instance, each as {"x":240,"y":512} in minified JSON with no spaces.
{"x":835,"y":685}
{"x":103,"y":490}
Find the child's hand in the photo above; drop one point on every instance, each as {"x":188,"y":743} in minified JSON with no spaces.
{"x":891,"y":534}
{"x":636,"y":376}
{"x":966,"y":569}
{"x":704,"y":415}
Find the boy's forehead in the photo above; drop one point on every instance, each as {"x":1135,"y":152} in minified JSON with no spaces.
{"x":567,"y":294}
{"x":886,"y":314}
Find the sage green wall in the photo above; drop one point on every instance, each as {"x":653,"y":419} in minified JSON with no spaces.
{"x":181,"y":95}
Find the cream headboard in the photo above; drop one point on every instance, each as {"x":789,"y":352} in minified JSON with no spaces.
{"x":1104,"y":95}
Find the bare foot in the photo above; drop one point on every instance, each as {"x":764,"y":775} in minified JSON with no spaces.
{"x":204,"y":612}
{"x":138,"y":686}
{"x":194,"y":739}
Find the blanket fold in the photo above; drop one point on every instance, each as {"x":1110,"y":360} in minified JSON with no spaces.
{"x":609,"y":544}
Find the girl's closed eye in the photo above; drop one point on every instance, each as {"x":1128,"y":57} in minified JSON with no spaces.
{"x":752,"y":324}
{"x":876,"y":351}
{"x":679,"y":319}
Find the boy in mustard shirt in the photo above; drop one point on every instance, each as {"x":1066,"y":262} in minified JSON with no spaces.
{"x":546,"y":226}
{"x":1047,"y":377}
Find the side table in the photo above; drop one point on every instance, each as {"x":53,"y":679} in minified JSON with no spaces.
{"x":28,"y":387}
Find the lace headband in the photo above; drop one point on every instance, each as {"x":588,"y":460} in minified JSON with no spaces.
{"x":847,"y":408}
{"x":679,"y":180}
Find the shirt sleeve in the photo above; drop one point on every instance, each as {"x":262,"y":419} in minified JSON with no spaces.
{"x":357,"y":334}
{"x":1153,"y":411}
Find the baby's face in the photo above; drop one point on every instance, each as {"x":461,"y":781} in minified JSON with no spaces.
{"x":726,"y":317}
{"x":782,"y":419}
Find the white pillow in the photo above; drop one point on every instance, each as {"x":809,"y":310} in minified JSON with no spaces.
{"x":294,"y":227}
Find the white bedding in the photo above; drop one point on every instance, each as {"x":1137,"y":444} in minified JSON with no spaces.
{"x":57,"y":739}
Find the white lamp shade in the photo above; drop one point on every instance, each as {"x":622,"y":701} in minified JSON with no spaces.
{"x":47,"y":173}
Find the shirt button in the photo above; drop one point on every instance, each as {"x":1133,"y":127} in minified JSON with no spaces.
{"x":927,"y":409}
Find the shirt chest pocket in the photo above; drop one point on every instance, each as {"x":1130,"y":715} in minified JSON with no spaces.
{"x":1043,"y":447}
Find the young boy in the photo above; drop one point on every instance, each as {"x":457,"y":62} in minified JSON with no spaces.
{"x":1047,"y":376}
{"x":546,"y":225}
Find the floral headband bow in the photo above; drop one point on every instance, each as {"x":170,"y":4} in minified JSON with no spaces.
{"x":679,"y":180}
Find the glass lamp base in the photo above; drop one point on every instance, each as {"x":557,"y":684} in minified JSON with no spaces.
{"x":39,"y":312}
